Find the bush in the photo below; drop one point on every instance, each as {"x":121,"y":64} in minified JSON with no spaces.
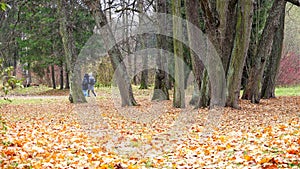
{"x":289,"y":70}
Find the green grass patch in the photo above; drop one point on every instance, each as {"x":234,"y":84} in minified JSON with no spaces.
{"x":33,"y":90}
{"x":287,"y":91}
{"x":28,"y":100}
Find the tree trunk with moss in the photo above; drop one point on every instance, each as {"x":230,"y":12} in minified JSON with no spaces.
{"x":239,"y":53}
{"x":66,"y":32}
{"x":179,"y":94}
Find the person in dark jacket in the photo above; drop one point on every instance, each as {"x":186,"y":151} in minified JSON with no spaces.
{"x":85,"y":84}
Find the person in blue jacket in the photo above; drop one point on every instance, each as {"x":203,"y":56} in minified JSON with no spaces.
{"x":85,"y":84}
{"x":91,"y":85}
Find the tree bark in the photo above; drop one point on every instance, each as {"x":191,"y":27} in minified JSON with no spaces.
{"x":67,"y":78}
{"x":53,"y":77}
{"x":239,"y":53}
{"x":197,"y":65}
{"x":121,"y":75}
{"x":61,"y":76}
{"x":161,"y":77}
{"x":179,"y":94}
{"x":66,"y":32}
{"x":253,"y":87}
{"x":269,"y":82}
{"x":142,"y":37}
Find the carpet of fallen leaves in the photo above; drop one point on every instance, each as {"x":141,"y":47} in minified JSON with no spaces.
{"x":61,"y":135}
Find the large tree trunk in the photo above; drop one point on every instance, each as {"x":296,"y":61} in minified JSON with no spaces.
{"x":161,"y":77}
{"x":239,"y":53}
{"x":66,"y":32}
{"x":253,"y":87}
{"x":121,"y":75}
{"x":61,"y":76}
{"x":179,"y":94}
{"x":269,"y":82}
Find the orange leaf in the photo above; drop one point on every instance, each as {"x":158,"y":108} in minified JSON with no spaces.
{"x":264,"y":160}
{"x":270,"y":167}
{"x":298,"y":141}
{"x":248,"y":158}
{"x":292,"y":151}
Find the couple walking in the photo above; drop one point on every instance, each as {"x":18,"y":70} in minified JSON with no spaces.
{"x":88,"y":84}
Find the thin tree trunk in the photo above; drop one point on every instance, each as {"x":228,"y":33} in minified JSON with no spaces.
{"x":67,"y":78}
{"x":61,"y":76}
{"x":269,"y":82}
{"x":239,"y":53}
{"x":160,"y":87}
{"x":66,"y":32}
{"x":179,"y":94}
{"x":121,"y":75}
{"x":53,"y":77}
{"x":253,"y":87}
{"x":144,"y":76}
{"x":204,"y":99}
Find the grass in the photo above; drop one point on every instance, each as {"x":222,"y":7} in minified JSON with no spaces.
{"x":103,"y":92}
{"x":288,"y":91}
{"x":26,"y":100}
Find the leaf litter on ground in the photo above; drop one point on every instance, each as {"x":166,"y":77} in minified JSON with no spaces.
{"x":100,"y":134}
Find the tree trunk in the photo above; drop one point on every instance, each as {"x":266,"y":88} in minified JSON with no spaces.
{"x":121,"y":75}
{"x":179,"y":95}
{"x":53,"y":77}
{"x":259,"y":19}
{"x":204,"y":99}
{"x":67,"y":78}
{"x":269,"y":82}
{"x":253,"y":87}
{"x":239,"y":53}
{"x":197,"y":65}
{"x":66,"y":32}
{"x":61,"y":76}
{"x":142,"y":37}
{"x":161,"y":77}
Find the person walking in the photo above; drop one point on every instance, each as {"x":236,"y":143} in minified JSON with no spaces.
{"x":85,"y":84}
{"x":91,"y":85}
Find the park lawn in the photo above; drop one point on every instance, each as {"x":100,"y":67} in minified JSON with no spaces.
{"x":100,"y":134}
{"x":288,"y":91}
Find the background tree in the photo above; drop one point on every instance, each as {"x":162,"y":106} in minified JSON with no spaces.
{"x":122,"y":78}
{"x":66,"y":32}
{"x":161,"y":81}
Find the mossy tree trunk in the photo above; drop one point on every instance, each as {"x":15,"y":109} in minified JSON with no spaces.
{"x":239,"y":53}
{"x":179,"y":94}
{"x":66,"y":32}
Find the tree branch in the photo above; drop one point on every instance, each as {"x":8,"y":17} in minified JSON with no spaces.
{"x":294,"y":2}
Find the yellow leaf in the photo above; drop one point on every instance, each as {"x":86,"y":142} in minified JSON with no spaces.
{"x":248,"y":158}
{"x":264,"y":160}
